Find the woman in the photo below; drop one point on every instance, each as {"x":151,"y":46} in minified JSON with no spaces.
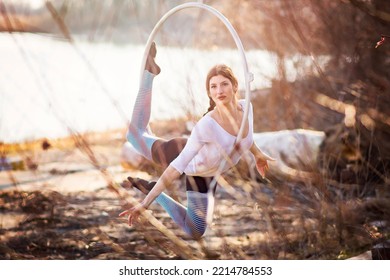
{"x":212,"y":140}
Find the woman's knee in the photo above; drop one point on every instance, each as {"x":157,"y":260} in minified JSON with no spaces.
{"x":141,"y":141}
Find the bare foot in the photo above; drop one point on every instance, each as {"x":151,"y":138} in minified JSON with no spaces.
{"x":151,"y":64}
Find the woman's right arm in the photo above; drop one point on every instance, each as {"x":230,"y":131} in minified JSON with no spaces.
{"x":194,"y":143}
{"x":169,"y":175}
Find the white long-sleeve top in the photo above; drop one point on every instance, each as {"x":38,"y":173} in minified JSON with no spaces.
{"x":209,"y":144}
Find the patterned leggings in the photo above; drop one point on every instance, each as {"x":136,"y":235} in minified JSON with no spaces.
{"x":192,"y":219}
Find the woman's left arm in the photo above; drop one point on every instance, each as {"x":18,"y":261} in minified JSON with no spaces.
{"x":261,"y":159}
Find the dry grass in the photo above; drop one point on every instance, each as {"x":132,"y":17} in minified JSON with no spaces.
{"x":316,"y":218}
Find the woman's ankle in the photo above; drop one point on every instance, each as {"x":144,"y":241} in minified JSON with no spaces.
{"x":153,"y":68}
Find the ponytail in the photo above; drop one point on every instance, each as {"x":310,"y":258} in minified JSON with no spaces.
{"x":211,"y":107}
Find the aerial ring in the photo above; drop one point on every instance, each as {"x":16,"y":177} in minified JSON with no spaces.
{"x":248,"y":75}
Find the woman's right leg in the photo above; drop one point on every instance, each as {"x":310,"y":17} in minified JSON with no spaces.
{"x":138,"y":133}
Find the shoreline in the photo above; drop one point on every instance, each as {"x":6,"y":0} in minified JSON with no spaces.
{"x":93,"y":137}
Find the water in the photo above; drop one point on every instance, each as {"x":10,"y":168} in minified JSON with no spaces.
{"x":49,"y":87}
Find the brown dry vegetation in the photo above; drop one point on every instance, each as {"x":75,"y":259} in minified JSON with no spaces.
{"x":342,"y":210}
{"x":316,"y":218}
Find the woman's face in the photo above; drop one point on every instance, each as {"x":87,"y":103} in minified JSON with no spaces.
{"x":221,"y":90}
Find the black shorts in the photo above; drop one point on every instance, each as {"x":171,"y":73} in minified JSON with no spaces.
{"x":164,"y":152}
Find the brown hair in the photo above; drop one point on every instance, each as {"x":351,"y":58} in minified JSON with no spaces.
{"x":223,"y":70}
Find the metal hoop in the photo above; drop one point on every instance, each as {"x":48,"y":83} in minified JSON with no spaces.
{"x":248,"y":75}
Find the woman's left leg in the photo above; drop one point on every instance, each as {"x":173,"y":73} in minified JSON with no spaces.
{"x":193,"y":218}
